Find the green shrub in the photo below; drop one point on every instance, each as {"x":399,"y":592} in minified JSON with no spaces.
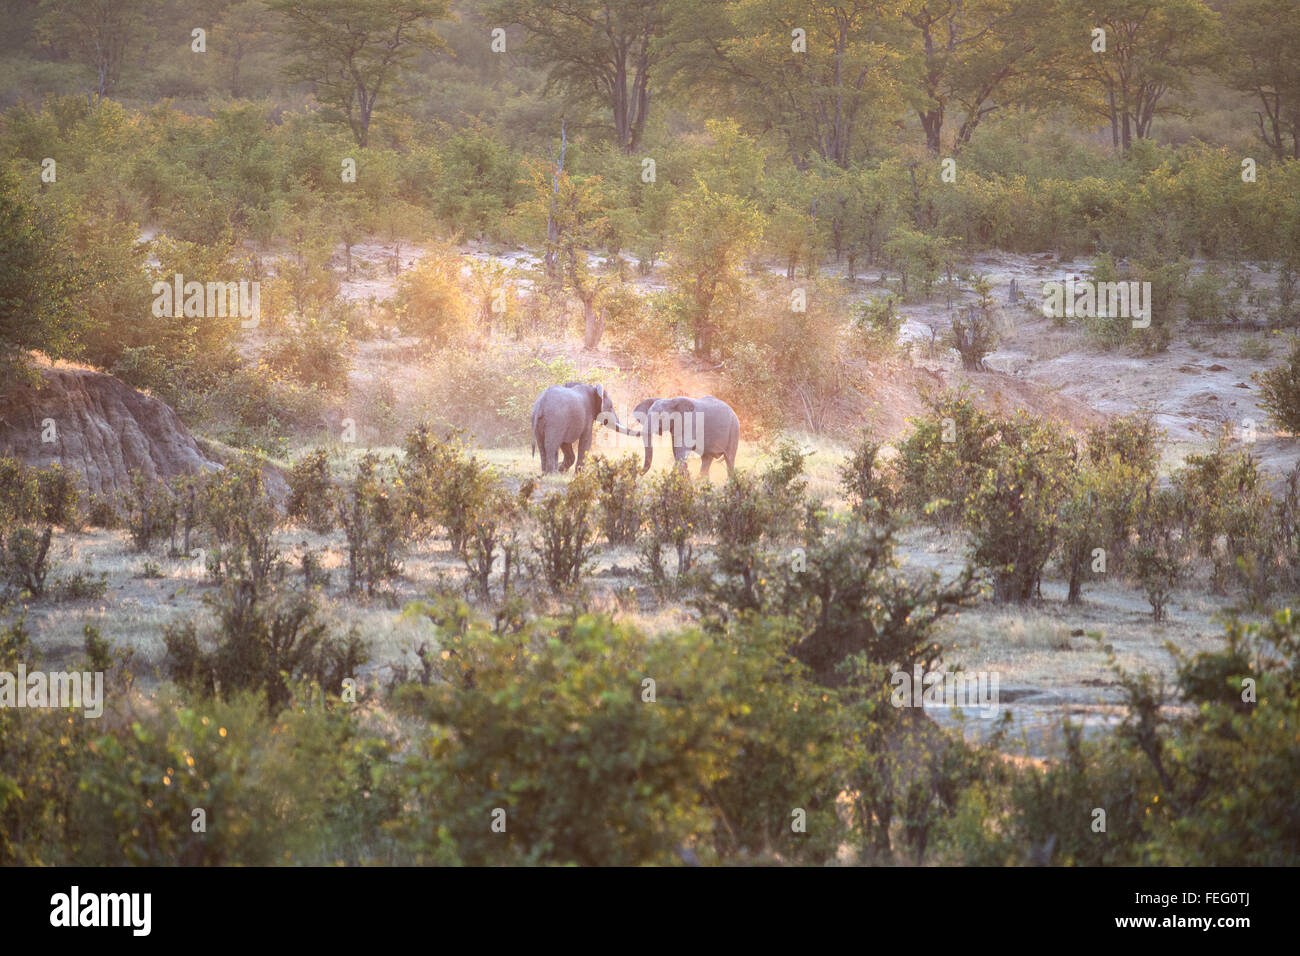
{"x":972,"y":332}
{"x":264,"y":641}
{"x":566,"y":532}
{"x":1205,"y":298}
{"x":149,"y":510}
{"x":24,"y":559}
{"x":674,"y":515}
{"x":1280,"y":391}
{"x":59,"y":497}
{"x":1223,"y":498}
{"x":866,"y":481}
{"x":241,"y":519}
{"x":1158,"y":560}
{"x":314,"y":351}
{"x":373,"y":515}
{"x":443,"y":486}
{"x":310,"y":786}
{"x":741,"y":515}
{"x":82,"y":585}
{"x":851,"y":601}
{"x":1012,"y":513}
{"x":944,"y":456}
{"x":494,"y":533}
{"x":311,"y":492}
{"x":876,"y":324}
{"x":48,"y":495}
{"x":620,"y":506}
{"x":684,"y":745}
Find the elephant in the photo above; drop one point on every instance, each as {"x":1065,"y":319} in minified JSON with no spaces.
{"x":706,"y":425}
{"x":564,"y":415}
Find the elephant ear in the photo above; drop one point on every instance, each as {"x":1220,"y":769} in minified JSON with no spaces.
{"x":641,"y":414}
{"x":597,"y":401}
{"x":685,"y":406}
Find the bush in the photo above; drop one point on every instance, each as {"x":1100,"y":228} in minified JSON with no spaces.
{"x":740,"y":514}
{"x":945,"y":455}
{"x":431,"y":302}
{"x":876,"y":324}
{"x":784,"y":486}
{"x":1280,"y":391}
{"x":59,"y":497}
{"x":973,"y":333}
{"x":241,"y":519}
{"x":1158,"y":559}
{"x":309,"y":786}
{"x":375,"y":522}
{"x":852,"y":602}
{"x":1223,"y":498}
{"x":20,"y":497}
{"x":46,"y":495}
{"x":661,"y":739}
{"x":264,"y":640}
{"x":1012,"y":513}
{"x":865,"y":480}
{"x":314,"y":352}
{"x":24,"y":563}
{"x":566,"y":532}
{"x":81,"y":585}
{"x":444,"y":486}
{"x":620,"y":506}
{"x":149,"y":510}
{"x":1206,"y":298}
{"x":674,"y":514}
{"x":493,"y":532}
{"x":311,"y":492}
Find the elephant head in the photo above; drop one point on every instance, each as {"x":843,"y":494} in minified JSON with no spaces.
{"x":602,"y":407}
{"x":672,"y":416}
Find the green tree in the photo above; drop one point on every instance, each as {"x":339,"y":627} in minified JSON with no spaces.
{"x":97,"y":34}
{"x":353,"y":51}
{"x":1152,"y":48}
{"x":823,"y":88}
{"x":38,"y":283}
{"x":1262,"y":57}
{"x":605,"y":52}
{"x":715,"y":232}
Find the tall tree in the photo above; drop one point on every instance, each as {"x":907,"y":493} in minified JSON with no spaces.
{"x":1152,"y":47}
{"x":601,"y":52}
{"x":352,"y":51}
{"x":1262,"y":57}
{"x":97,"y":34}
{"x":965,"y":54}
{"x":819,"y":73}
{"x":38,"y":281}
{"x":575,"y":217}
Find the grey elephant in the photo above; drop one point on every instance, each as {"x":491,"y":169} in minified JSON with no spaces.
{"x":705,"y":425}
{"x":564,"y":415}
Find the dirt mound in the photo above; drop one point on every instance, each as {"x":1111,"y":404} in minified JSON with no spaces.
{"x":99,"y":427}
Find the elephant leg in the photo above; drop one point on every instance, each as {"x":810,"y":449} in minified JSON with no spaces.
{"x":705,"y":461}
{"x":550,"y":450}
{"x":584,"y":445}
{"x":567,"y":448}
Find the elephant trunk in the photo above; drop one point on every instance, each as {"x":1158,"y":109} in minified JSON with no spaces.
{"x":649,"y":456}
{"x":610,"y":420}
